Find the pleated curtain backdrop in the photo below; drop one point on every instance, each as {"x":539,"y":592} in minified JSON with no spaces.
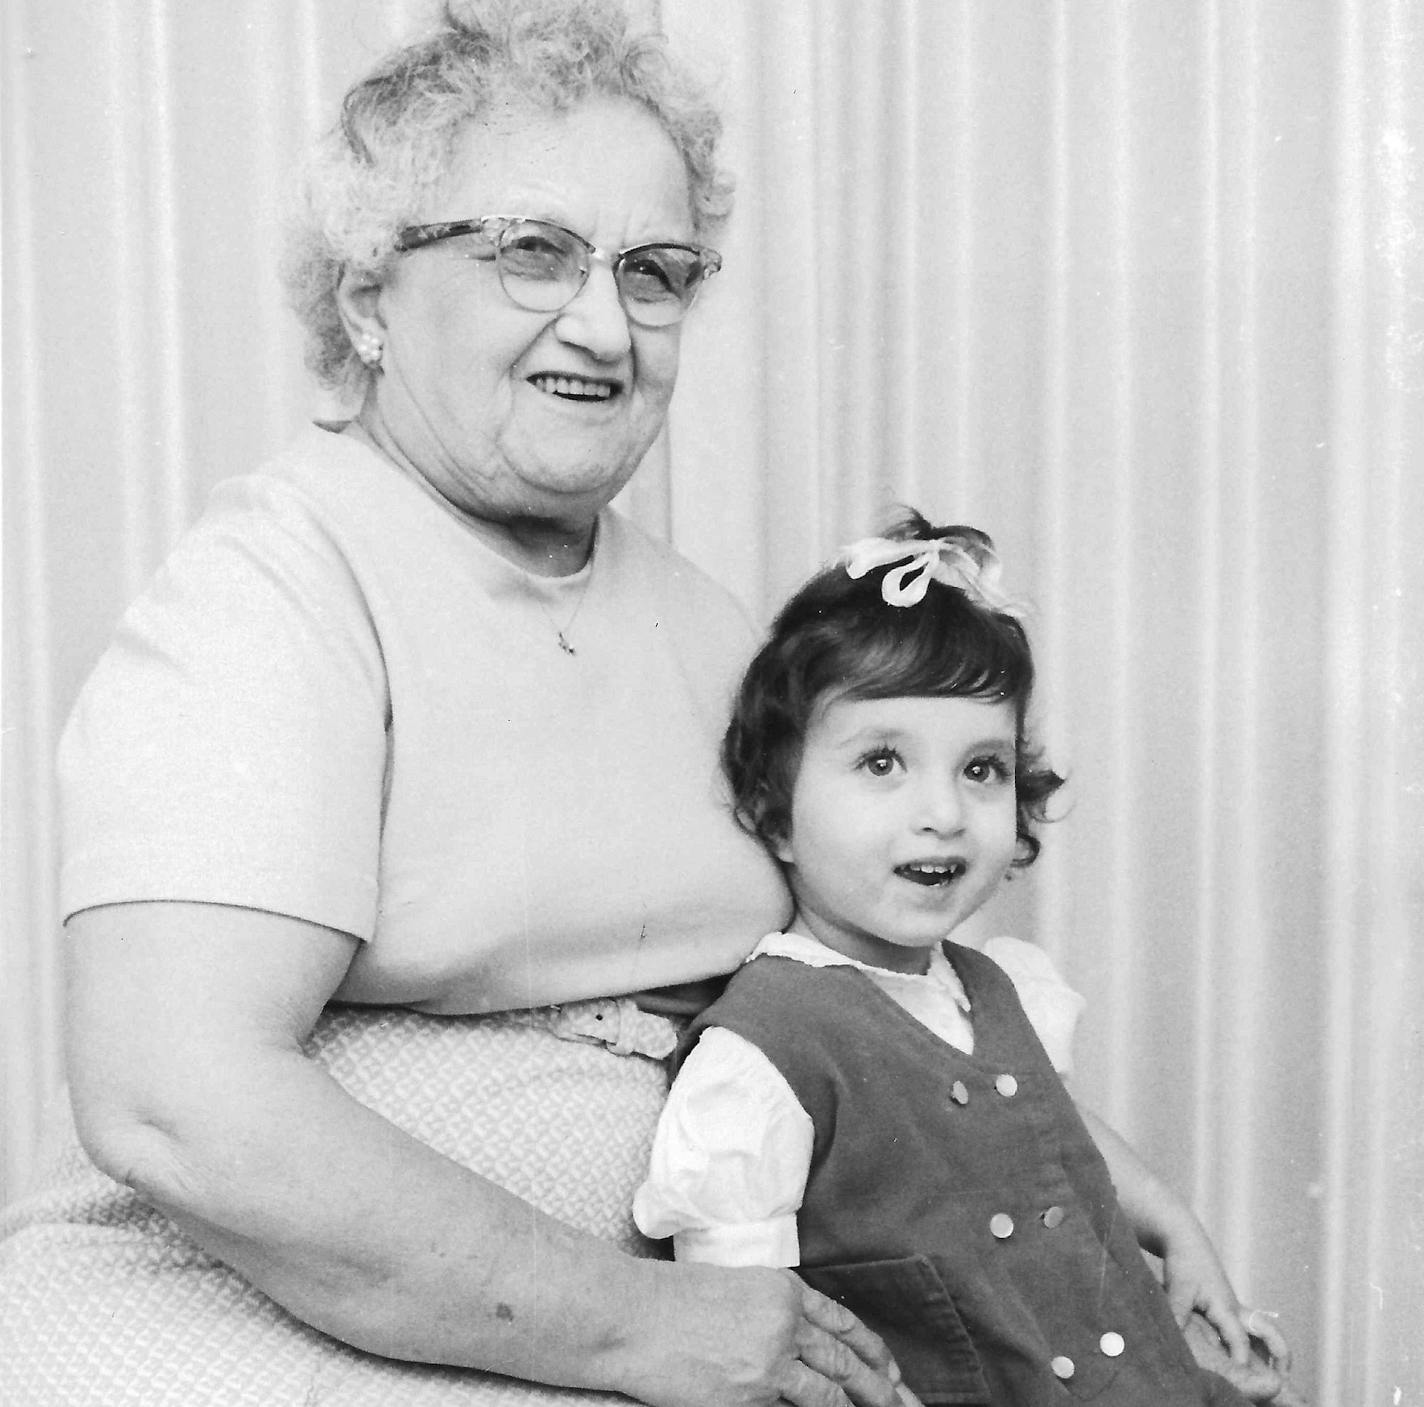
{"x":1138,"y":288}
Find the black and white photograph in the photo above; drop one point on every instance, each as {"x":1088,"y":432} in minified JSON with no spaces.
{"x":712,"y":703}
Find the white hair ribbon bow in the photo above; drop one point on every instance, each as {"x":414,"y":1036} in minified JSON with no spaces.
{"x":974,"y":570}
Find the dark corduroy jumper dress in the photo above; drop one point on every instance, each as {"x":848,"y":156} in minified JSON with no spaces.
{"x":957,"y":1203}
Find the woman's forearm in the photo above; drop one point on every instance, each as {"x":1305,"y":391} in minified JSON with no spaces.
{"x":190,"y":1084}
{"x":369,"y":1235}
{"x":380,"y":1241}
{"x":186,"y":1027}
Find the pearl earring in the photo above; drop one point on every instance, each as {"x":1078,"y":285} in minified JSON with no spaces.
{"x":369,"y":349}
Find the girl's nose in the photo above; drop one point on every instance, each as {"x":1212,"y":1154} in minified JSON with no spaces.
{"x":594,"y":319}
{"x":940,"y":808}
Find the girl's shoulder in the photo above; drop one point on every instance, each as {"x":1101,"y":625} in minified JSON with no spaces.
{"x":1051,"y":1005}
{"x":1023,"y":961}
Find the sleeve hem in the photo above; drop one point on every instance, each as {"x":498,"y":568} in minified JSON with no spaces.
{"x":771,"y":1242}
{"x":341,"y":901}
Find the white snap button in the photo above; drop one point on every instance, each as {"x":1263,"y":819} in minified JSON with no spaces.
{"x":1112,"y":1344}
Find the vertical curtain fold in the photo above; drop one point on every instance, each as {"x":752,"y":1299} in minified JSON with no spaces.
{"x":29,"y":970}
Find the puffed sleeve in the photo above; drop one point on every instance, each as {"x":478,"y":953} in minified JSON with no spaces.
{"x":1051,"y":1005}
{"x":730,"y":1159}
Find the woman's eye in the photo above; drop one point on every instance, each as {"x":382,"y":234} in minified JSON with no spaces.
{"x":534,"y":256}
{"x":474,"y":246}
{"x":645,"y":278}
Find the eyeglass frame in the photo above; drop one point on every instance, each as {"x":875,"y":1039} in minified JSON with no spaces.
{"x":414,"y":237}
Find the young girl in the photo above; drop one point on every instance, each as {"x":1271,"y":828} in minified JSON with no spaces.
{"x":881,"y":1106}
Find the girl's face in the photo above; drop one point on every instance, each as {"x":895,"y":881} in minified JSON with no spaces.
{"x":903,"y":822}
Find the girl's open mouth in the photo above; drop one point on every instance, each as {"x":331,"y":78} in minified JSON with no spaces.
{"x":930,"y":874}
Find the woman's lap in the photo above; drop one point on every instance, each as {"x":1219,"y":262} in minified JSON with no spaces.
{"x":104,"y":1302}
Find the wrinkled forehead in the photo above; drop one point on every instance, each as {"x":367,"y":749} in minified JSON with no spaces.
{"x":603,"y":162}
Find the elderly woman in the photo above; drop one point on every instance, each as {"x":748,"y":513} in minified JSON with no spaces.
{"x":392,"y":820}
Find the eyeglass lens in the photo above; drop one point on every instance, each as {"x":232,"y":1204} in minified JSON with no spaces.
{"x":543,"y":267}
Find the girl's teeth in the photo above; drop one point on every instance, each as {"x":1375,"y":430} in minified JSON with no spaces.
{"x":932,"y":873}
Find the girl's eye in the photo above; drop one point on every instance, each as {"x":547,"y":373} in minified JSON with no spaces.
{"x":881,"y":762}
{"x":989,"y":768}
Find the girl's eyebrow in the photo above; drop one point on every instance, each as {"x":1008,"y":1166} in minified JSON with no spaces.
{"x":866,"y":734}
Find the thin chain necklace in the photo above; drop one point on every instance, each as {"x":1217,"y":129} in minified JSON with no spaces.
{"x":561,"y":632}
{"x":357,"y":428}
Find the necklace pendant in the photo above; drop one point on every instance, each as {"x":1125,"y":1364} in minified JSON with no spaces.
{"x":565,"y":646}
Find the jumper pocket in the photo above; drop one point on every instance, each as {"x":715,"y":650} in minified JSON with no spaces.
{"x":907,"y":1304}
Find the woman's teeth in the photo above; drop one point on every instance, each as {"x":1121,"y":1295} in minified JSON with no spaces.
{"x":574,"y":387}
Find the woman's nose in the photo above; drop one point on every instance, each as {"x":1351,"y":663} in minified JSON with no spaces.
{"x":594,"y":318}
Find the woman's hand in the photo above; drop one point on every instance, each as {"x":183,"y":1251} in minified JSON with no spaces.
{"x":754,"y":1338}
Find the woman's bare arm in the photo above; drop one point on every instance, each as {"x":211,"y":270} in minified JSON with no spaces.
{"x":190,"y":1085}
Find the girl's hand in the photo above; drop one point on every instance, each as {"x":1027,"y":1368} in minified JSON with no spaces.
{"x":1194,"y":1279}
{"x":756,"y":1338}
{"x":1261,"y":1325}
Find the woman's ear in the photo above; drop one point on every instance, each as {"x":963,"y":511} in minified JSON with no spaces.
{"x":358,"y":298}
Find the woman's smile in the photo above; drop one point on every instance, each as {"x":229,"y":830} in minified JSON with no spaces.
{"x":510,"y":413}
{"x":576,"y":388}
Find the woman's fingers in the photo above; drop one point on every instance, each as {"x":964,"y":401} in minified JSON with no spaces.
{"x":822,"y":1312}
{"x":813,"y":1388}
{"x":829,"y":1374}
{"x":751,"y":1335}
{"x":847,"y":1361}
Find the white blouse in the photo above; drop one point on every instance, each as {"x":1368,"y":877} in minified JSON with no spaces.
{"x":733,"y":1145}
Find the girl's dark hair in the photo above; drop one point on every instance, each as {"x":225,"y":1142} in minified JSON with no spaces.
{"x":838,"y":637}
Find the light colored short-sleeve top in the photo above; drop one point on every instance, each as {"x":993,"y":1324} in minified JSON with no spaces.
{"x":336,"y":702}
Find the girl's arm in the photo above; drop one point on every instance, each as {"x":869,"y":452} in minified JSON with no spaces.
{"x":190,"y":1085}
{"x":728,"y":1168}
{"x":729,"y":1161}
{"x":1167,"y":1227}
